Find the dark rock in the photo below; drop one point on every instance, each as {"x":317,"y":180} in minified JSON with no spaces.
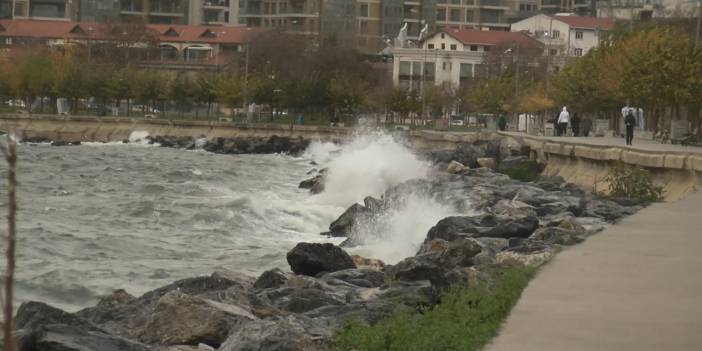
{"x":32,"y":315}
{"x":313,"y":258}
{"x":60,"y":337}
{"x":416,"y":268}
{"x":303,"y":300}
{"x":315,"y":184}
{"x":433,"y":246}
{"x":370,"y":312}
{"x":517,"y":228}
{"x":526,"y":246}
{"x":59,"y":143}
{"x":549,"y":183}
{"x":556,"y":235}
{"x":520,"y":168}
{"x":368,"y":263}
{"x":410,"y":293}
{"x":460,"y":253}
{"x":181,"y":319}
{"x":343,"y":226}
{"x":373,"y":204}
{"x":108,"y":307}
{"x":456,"y":227}
{"x":465,"y":153}
{"x":272,"y":278}
{"x":365,"y":278}
{"x":289,"y":333}
{"x":608,"y":210}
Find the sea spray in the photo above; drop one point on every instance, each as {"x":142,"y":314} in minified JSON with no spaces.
{"x":368,"y":165}
{"x":138,"y":136}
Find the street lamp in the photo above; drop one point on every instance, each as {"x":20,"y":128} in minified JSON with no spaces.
{"x":246,"y":75}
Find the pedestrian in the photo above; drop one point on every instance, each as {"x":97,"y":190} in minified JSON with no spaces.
{"x":575,"y":124}
{"x":630,"y":123}
{"x":563,"y":120}
{"x":586,"y":125}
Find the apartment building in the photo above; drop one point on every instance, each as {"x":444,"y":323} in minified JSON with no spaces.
{"x":564,"y":37}
{"x":181,"y":12}
{"x":631,"y":9}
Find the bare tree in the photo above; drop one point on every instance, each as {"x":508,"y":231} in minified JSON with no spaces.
{"x":9,"y":150}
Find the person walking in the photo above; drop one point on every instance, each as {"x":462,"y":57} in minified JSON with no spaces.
{"x":629,"y":123}
{"x":586,"y":126}
{"x":563,"y":120}
{"x":575,"y":124}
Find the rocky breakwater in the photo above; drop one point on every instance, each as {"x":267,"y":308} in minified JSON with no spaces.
{"x":499,"y":221}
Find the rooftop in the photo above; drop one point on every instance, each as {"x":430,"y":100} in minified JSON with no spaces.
{"x":586,"y":22}
{"x":472,"y":36}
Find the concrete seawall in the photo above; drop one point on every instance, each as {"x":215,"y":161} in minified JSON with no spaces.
{"x":583,"y":161}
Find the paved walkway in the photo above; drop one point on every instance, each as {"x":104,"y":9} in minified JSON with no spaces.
{"x":638,"y":144}
{"x":636,"y":286}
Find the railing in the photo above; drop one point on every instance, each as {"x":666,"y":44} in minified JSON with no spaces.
{"x":220,"y":3}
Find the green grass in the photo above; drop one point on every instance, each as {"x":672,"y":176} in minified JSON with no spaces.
{"x":466,"y":319}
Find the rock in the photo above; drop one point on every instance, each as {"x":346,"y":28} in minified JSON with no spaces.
{"x":365,"y":278}
{"x":487,"y":162}
{"x":462,"y":276}
{"x":455,"y":227}
{"x":343,"y":226}
{"x":368,"y":263}
{"x":460,"y":253}
{"x":128,"y":319}
{"x":410,"y":293}
{"x":530,"y":260}
{"x":416,"y":268}
{"x":455,"y":167}
{"x":517,"y":228}
{"x":61,"y":337}
{"x":433,"y":246}
{"x":313,"y":258}
{"x":315,"y":184}
{"x":109,"y":306}
{"x":32,"y":315}
{"x":289,"y":333}
{"x":550,"y":183}
{"x":369,"y":312}
{"x":558,"y":236}
{"x":181,"y":319}
{"x":307,"y":299}
{"x":272,"y":278}
{"x":520,"y":168}
{"x":571,"y":223}
{"x":493,"y":245}
{"x":608,"y":210}
{"x":512,"y":208}
{"x":59,"y":143}
{"x":373,"y":204}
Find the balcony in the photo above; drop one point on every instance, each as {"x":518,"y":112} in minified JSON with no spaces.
{"x":493,"y":4}
{"x":216,"y":4}
{"x":131,"y":7}
{"x":167,"y":8}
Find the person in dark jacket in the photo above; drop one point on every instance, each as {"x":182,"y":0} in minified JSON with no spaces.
{"x":575,"y":124}
{"x":586,"y":126}
{"x":630,"y":123}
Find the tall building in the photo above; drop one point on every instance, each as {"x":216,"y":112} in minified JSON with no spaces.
{"x":630,"y":9}
{"x":38,"y":9}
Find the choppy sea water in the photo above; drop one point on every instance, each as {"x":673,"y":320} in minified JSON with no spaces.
{"x":98,"y":217}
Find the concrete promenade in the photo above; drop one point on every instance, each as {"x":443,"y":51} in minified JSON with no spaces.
{"x":635,"y":286}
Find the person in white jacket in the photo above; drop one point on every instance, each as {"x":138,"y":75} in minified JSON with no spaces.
{"x":563,"y":120}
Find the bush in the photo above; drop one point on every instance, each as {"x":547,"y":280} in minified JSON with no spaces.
{"x":632,"y":183}
{"x":466,"y":319}
{"x":502,"y":123}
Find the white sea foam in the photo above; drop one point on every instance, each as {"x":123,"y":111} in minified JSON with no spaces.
{"x":138,"y":136}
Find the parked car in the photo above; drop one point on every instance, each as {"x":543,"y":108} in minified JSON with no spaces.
{"x":457,"y":122}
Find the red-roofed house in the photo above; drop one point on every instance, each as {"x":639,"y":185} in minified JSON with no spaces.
{"x":451,"y":56}
{"x":179,"y":44}
{"x":565,"y":36}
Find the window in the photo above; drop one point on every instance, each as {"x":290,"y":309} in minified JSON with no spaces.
{"x":443,"y":46}
{"x":446,"y":66}
{"x":466,"y":70}
{"x":455,"y":15}
{"x":453,"y":47}
{"x":443,"y":35}
{"x":474,"y":48}
{"x":456,"y":2}
{"x":553,"y":52}
{"x":363,"y":10}
{"x":579,"y":35}
{"x":469,"y":2}
{"x":578,"y":52}
{"x":470,"y":15}
{"x":429,"y":70}
{"x":430,"y":46}
{"x":441,"y":14}
{"x":405,"y":68}
{"x":486,"y":48}
{"x":363,"y":28}
{"x":556,"y":34}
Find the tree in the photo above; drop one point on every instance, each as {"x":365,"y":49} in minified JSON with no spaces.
{"x":71,"y":80}
{"x":121,"y":86}
{"x":346,"y":93}
{"x":491,"y":94}
{"x":205,"y":90}
{"x":229,"y":90}
{"x":150,"y":87}
{"x":181,"y":90}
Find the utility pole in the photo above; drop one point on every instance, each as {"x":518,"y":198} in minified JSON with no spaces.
{"x":246,"y":76}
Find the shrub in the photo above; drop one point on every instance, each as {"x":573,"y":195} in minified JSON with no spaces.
{"x":466,"y":319}
{"x":633,"y":183}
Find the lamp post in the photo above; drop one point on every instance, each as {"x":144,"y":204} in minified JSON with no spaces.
{"x":699,"y":16}
{"x":246,"y":75}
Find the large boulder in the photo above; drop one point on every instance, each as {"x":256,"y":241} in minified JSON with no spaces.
{"x":423,"y":267}
{"x":315,"y":184}
{"x":368,"y":263}
{"x":61,"y":337}
{"x":487,"y":162}
{"x":307,"y":299}
{"x":456,"y":227}
{"x":314,"y":258}
{"x":516,"y":228}
{"x":455,"y":167}
{"x":181,"y":319}
{"x":520,"y":168}
{"x":289,"y":333}
{"x":557,"y":235}
{"x":365,"y":278}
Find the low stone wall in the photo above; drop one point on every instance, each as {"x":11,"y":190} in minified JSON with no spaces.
{"x":588,"y":165}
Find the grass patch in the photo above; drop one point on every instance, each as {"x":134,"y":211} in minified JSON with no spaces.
{"x":466,"y":319}
{"x":630,"y":182}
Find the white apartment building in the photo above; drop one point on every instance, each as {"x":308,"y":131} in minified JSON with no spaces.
{"x":564,"y":36}
{"x":450,"y":57}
